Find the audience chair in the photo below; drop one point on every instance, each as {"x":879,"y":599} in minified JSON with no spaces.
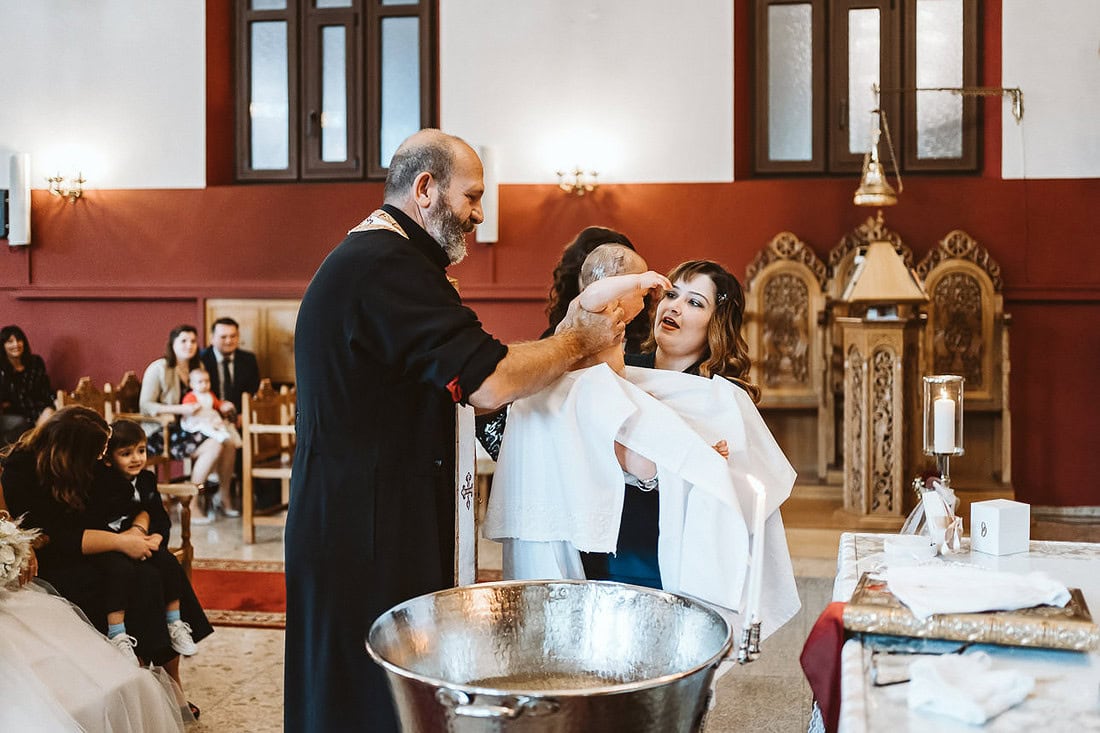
{"x":87,"y":395}
{"x":267,"y":429}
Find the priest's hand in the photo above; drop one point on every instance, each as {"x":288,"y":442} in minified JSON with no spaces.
{"x":594,"y":331}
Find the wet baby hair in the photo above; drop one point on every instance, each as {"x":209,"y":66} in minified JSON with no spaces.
{"x":608,"y":260}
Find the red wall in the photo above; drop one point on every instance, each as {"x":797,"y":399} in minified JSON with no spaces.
{"x":105,"y":279}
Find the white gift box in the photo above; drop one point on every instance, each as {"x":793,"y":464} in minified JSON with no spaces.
{"x":1000,"y":526}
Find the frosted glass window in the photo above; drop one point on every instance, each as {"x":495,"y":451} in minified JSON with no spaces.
{"x":334,"y":3}
{"x":939,"y":64}
{"x":400,"y":83}
{"x":268,"y":4}
{"x":269,"y":105}
{"x":399,"y":2}
{"x":334,"y":95}
{"x":790,"y":82}
{"x":864,"y":71}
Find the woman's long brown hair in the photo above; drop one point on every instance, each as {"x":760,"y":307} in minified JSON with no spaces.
{"x":66,"y":448}
{"x":726,"y":353}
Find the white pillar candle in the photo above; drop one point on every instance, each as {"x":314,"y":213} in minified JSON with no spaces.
{"x":943,"y":425}
{"x":756,"y":563}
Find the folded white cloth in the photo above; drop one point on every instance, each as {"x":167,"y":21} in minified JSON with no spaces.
{"x":965,"y":687}
{"x":931,"y":589}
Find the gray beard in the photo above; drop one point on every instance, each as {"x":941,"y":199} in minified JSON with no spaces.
{"x":446,"y":229}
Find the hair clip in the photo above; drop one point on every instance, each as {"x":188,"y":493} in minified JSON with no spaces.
{"x":722,"y":297}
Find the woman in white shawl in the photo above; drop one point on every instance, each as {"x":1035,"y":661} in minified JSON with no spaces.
{"x":682,"y":420}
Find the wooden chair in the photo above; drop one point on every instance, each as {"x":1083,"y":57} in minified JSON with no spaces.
{"x":784,"y":328}
{"x":267,"y":429}
{"x":125,"y":402}
{"x":967,"y":334}
{"x":87,"y":395}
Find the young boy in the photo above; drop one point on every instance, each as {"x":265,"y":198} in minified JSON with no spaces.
{"x":125,"y":496}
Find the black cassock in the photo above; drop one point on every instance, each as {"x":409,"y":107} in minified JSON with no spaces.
{"x":383,"y":349}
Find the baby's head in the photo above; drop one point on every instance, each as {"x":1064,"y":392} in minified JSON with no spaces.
{"x":200,"y":381}
{"x":126,"y":448}
{"x":610,"y":259}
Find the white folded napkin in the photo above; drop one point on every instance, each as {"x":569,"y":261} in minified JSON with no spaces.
{"x":931,"y":589}
{"x":965,"y":687}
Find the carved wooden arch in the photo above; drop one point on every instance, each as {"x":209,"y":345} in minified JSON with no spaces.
{"x":965,"y":315}
{"x":784,"y":294}
{"x":842,"y":257}
{"x":958,"y":245}
{"x":786,"y":246}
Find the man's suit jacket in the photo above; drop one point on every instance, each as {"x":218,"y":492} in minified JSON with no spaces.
{"x":246,"y":374}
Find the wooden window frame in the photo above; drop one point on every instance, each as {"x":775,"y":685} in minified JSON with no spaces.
{"x":971,"y":116}
{"x":763,"y":163}
{"x":831,"y":118}
{"x":363,"y":21}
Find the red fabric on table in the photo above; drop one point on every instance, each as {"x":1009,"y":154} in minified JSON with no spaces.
{"x":821,"y":662}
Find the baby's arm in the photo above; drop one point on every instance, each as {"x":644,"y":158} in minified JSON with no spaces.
{"x":602,"y":293}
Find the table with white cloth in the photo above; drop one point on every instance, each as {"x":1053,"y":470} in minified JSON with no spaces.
{"x":1066,"y":696}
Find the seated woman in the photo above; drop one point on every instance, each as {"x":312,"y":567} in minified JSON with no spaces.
{"x":26,"y":398}
{"x":165,"y":383}
{"x":691,"y":534}
{"x":52,"y":477}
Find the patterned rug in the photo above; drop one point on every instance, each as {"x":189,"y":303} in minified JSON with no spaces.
{"x":241,"y":592}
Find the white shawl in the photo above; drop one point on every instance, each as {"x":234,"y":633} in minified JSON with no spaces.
{"x":558,"y":488}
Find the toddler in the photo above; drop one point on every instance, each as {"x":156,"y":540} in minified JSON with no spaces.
{"x":158,"y":603}
{"x":210,"y":418}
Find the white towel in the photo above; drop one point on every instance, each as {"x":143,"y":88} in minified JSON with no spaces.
{"x":965,"y":687}
{"x":932,"y":589}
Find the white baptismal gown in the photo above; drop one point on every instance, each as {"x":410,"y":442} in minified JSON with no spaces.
{"x":558,"y":487}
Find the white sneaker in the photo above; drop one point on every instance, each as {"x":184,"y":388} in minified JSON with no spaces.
{"x":125,"y":644}
{"x":180,"y":634}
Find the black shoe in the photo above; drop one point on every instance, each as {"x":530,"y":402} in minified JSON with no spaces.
{"x":194,"y":709}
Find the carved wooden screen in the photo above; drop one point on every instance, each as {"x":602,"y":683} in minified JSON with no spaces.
{"x":784,"y":298}
{"x":963,"y":284}
{"x":967,"y":334}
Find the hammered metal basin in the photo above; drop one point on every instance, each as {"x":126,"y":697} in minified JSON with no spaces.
{"x":550,"y":656}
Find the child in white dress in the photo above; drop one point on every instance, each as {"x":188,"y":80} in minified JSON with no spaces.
{"x":210,"y":419}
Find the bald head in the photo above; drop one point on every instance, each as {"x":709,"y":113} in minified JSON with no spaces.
{"x":427,"y":151}
{"x":437,"y":179}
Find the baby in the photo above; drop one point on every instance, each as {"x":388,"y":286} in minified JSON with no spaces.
{"x":210,"y":417}
{"x":616,"y":275}
{"x":613,"y":274}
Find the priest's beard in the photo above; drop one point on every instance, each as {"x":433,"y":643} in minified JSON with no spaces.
{"x":446,"y":228}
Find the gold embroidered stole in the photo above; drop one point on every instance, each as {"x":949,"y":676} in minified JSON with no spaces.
{"x":379,"y":219}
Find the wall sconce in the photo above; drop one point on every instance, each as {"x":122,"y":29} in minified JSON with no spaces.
{"x":579,"y":182}
{"x":70,"y":188}
{"x":874,"y":189}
